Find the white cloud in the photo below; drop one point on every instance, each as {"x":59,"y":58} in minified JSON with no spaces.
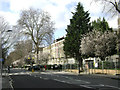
{"x":95,"y":10}
{"x":60,"y":10}
{"x":91,"y":6}
{"x":17,"y":5}
{"x":10,"y":17}
{"x":56,"y":8}
{"x":113,"y":22}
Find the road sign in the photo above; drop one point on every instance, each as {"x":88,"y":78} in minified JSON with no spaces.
{"x":1,"y":59}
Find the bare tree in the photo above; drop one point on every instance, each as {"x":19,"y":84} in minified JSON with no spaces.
{"x":110,"y":6}
{"x":11,"y":58}
{"x":22,"y":48}
{"x":5,"y":37}
{"x":44,"y":58}
{"x":38,"y":25}
{"x":8,"y":36}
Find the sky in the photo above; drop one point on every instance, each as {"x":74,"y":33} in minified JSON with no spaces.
{"x":60,"y":11}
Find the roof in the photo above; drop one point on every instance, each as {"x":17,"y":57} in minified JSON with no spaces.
{"x":59,"y":39}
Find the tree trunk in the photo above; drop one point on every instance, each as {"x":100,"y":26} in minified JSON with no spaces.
{"x":50,"y":53}
{"x":118,"y":37}
{"x":80,"y":65}
{"x":37,"y":56}
{"x":119,"y":43}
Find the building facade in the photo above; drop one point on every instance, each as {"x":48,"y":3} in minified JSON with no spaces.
{"x":56,"y":53}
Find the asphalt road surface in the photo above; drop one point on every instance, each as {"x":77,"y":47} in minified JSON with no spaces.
{"x":27,"y":81}
{"x":22,"y":79}
{"x":51,"y":79}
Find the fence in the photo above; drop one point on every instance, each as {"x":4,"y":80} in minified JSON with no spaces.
{"x":103,"y":67}
{"x":70,"y":66}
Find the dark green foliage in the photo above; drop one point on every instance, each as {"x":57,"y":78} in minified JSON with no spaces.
{"x":101,"y":25}
{"x":79,"y":24}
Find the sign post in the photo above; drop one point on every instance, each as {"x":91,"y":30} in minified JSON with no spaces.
{"x":1,"y":66}
{"x":0,"y":62}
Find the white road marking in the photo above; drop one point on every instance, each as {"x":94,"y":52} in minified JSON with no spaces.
{"x":45,"y":78}
{"x":60,"y":80}
{"x":22,"y":73}
{"x":57,"y":80}
{"x":96,"y":85}
{"x":71,"y":79}
{"x":99,"y":85}
{"x":63,"y":81}
{"x":77,"y":80}
{"x":83,"y":81}
{"x":85,"y":86}
{"x":11,"y":83}
{"x":112,"y":86}
{"x":65,"y":76}
{"x":68,"y":82}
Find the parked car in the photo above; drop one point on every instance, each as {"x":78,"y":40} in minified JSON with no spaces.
{"x":55,"y":67}
{"x":34,"y":67}
{"x":27,"y":67}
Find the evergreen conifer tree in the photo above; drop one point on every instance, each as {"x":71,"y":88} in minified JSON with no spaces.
{"x":101,"y":25}
{"x":79,"y":25}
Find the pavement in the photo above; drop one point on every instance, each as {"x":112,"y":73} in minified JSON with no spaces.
{"x":101,"y":75}
{"x":6,"y":82}
{"x":0,"y":82}
{"x":5,"y":79}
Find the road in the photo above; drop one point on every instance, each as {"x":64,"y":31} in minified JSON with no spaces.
{"x":26,"y":81}
{"x":53,"y":79}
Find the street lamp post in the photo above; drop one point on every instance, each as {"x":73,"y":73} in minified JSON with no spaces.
{"x":0,"y":56}
{"x":0,"y":63}
{"x":118,"y":33}
{"x":1,"y":59}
